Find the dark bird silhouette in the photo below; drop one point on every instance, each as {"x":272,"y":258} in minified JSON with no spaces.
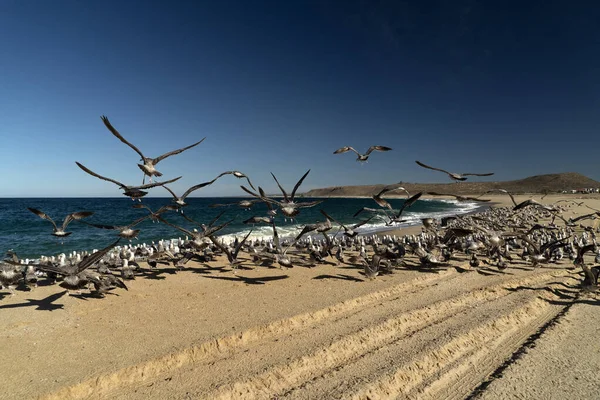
{"x":288,"y":206}
{"x":180,"y":201}
{"x":135,"y":192}
{"x":459,"y":197}
{"x":454,"y":175}
{"x":362,"y":157}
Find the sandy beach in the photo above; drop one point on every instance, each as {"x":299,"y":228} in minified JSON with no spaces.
{"x":311,"y":333}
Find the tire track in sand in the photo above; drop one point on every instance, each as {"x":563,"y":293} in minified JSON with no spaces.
{"x":283,"y":378}
{"x":134,"y":375}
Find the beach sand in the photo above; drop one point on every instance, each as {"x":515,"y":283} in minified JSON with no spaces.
{"x":318,"y":333}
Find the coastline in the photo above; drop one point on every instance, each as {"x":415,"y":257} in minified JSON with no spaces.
{"x":206,"y":332}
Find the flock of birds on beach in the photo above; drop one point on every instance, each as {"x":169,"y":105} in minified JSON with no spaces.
{"x":528,"y":232}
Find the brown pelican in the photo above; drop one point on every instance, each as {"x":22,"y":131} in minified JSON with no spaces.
{"x":454,"y":175}
{"x":60,"y":232}
{"x":149,"y":165}
{"x":361,"y":157}
{"x":135,"y":192}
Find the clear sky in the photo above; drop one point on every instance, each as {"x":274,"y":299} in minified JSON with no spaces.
{"x":511,"y":87}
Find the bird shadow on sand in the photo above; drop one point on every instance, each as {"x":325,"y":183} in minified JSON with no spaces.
{"x":590,"y":302}
{"x":491,"y":272}
{"x":339,"y":276}
{"x":45,"y":304}
{"x":419,"y":268}
{"x":250,"y":281}
{"x":91,"y":295}
{"x":564,"y":294}
{"x":207,"y":269}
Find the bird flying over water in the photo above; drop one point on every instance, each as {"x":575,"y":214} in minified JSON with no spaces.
{"x":149,"y":165}
{"x":60,"y":232}
{"x":288,"y":206}
{"x":135,"y":192}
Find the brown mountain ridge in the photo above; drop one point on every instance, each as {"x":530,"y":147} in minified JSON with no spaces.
{"x":549,"y":183}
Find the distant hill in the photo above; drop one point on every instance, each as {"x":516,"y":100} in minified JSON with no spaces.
{"x":550,"y":183}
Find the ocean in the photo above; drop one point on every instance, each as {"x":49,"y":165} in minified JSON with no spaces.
{"x":30,"y":236}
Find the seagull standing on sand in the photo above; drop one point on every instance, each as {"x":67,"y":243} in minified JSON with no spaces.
{"x":361,"y":157}
{"x":454,"y":175}
{"x":149,"y":165}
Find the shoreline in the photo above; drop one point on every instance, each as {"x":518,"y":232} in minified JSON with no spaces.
{"x":381,"y":230}
{"x":263,"y":331}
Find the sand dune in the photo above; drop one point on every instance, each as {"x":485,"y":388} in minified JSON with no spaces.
{"x":266,"y":333}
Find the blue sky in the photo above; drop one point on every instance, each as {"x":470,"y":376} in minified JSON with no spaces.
{"x":509,"y":87}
